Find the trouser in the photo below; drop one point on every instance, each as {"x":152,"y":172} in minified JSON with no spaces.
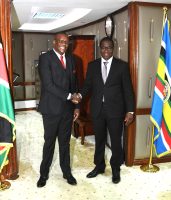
{"x":56,"y":126}
{"x":115,"y":128}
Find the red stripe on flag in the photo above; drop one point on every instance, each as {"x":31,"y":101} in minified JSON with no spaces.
{"x":3,"y":72}
{"x":160,"y":86}
{"x":1,"y":148}
{"x":166,"y":134}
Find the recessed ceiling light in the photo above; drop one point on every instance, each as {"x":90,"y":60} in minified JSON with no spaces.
{"x":45,"y":15}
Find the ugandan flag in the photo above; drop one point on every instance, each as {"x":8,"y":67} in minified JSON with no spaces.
{"x":161,"y":105}
{"x":7,"y":120}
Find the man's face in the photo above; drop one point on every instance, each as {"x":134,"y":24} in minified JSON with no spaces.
{"x":61,"y":43}
{"x":106,"y":50}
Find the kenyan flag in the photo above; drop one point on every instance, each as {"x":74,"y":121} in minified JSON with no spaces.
{"x":7,"y":118}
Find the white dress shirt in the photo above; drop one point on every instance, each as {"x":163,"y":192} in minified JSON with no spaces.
{"x":108,"y":64}
{"x":59,"y":56}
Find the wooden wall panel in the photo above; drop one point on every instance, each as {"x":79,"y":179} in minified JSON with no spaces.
{"x":133,"y":9}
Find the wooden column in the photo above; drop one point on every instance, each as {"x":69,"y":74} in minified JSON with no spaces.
{"x":133,"y":60}
{"x":10,"y":171}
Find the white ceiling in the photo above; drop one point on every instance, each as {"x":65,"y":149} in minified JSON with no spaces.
{"x":23,"y":11}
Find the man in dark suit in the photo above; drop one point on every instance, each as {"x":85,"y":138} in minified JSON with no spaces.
{"x":58,"y":83}
{"x":112,"y":103}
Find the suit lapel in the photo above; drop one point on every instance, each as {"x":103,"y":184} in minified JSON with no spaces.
{"x":70,"y":67}
{"x":68,"y":63}
{"x":111,"y":71}
{"x":99,"y":71}
{"x":57,"y":61}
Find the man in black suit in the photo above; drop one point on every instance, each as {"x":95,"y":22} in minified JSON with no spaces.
{"x":58,"y":83}
{"x":112,"y":103}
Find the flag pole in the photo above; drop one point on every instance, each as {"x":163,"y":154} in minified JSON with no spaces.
{"x":150,"y":167}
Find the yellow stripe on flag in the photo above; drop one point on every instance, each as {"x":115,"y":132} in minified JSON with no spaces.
{"x":161,"y":69}
{"x":167,"y":114}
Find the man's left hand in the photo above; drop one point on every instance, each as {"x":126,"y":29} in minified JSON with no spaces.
{"x":128,"y":118}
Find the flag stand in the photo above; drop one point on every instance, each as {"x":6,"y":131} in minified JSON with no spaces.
{"x":159,"y":104}
{"x":150,"y":167}
{"x":4,"y":184}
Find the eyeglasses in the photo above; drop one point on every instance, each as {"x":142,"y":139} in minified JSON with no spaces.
{"x":110,"y":48}
{"x":62,"y":42}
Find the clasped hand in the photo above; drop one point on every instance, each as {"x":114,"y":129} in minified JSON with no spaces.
{"x":76,"y":98}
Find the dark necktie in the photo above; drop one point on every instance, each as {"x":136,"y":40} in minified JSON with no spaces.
{"x":62,"y":61}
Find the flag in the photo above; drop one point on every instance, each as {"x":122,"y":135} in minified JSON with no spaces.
{"x":161,"y":105}
{"x":7,"y":118}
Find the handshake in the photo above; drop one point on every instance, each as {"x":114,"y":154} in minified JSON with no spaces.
{"x":76,"y":98}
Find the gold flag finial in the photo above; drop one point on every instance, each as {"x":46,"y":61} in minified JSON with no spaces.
{"x":165,"y":9}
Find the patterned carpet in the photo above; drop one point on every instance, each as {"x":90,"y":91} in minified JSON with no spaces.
{"x":134,"y":185}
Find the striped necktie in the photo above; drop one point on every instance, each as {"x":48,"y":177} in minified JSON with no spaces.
{"x":62,"y":61}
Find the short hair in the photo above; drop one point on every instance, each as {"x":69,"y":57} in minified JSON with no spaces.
{"x":60,"y":33}
{"x":108,"y":39}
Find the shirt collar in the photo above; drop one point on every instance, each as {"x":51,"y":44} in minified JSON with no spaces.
{"x":58,"y":53}
{"x":109,"y":60}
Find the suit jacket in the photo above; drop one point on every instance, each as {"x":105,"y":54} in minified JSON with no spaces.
{"x":56,"y":83}
{"x":117,"y":91}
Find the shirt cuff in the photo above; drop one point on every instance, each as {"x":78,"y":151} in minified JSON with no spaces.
{"x":69,"y":96}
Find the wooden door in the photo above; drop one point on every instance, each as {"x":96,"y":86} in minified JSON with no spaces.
{"x":83,"y":49}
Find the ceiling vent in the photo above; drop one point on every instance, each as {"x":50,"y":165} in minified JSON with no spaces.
{"x":45,"y":15}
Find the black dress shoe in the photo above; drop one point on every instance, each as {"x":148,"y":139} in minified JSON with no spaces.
{"x":70,"y":179}
{"x":116,"y":177}
{"x":41,"y":182}
{"x":94,"y":173}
